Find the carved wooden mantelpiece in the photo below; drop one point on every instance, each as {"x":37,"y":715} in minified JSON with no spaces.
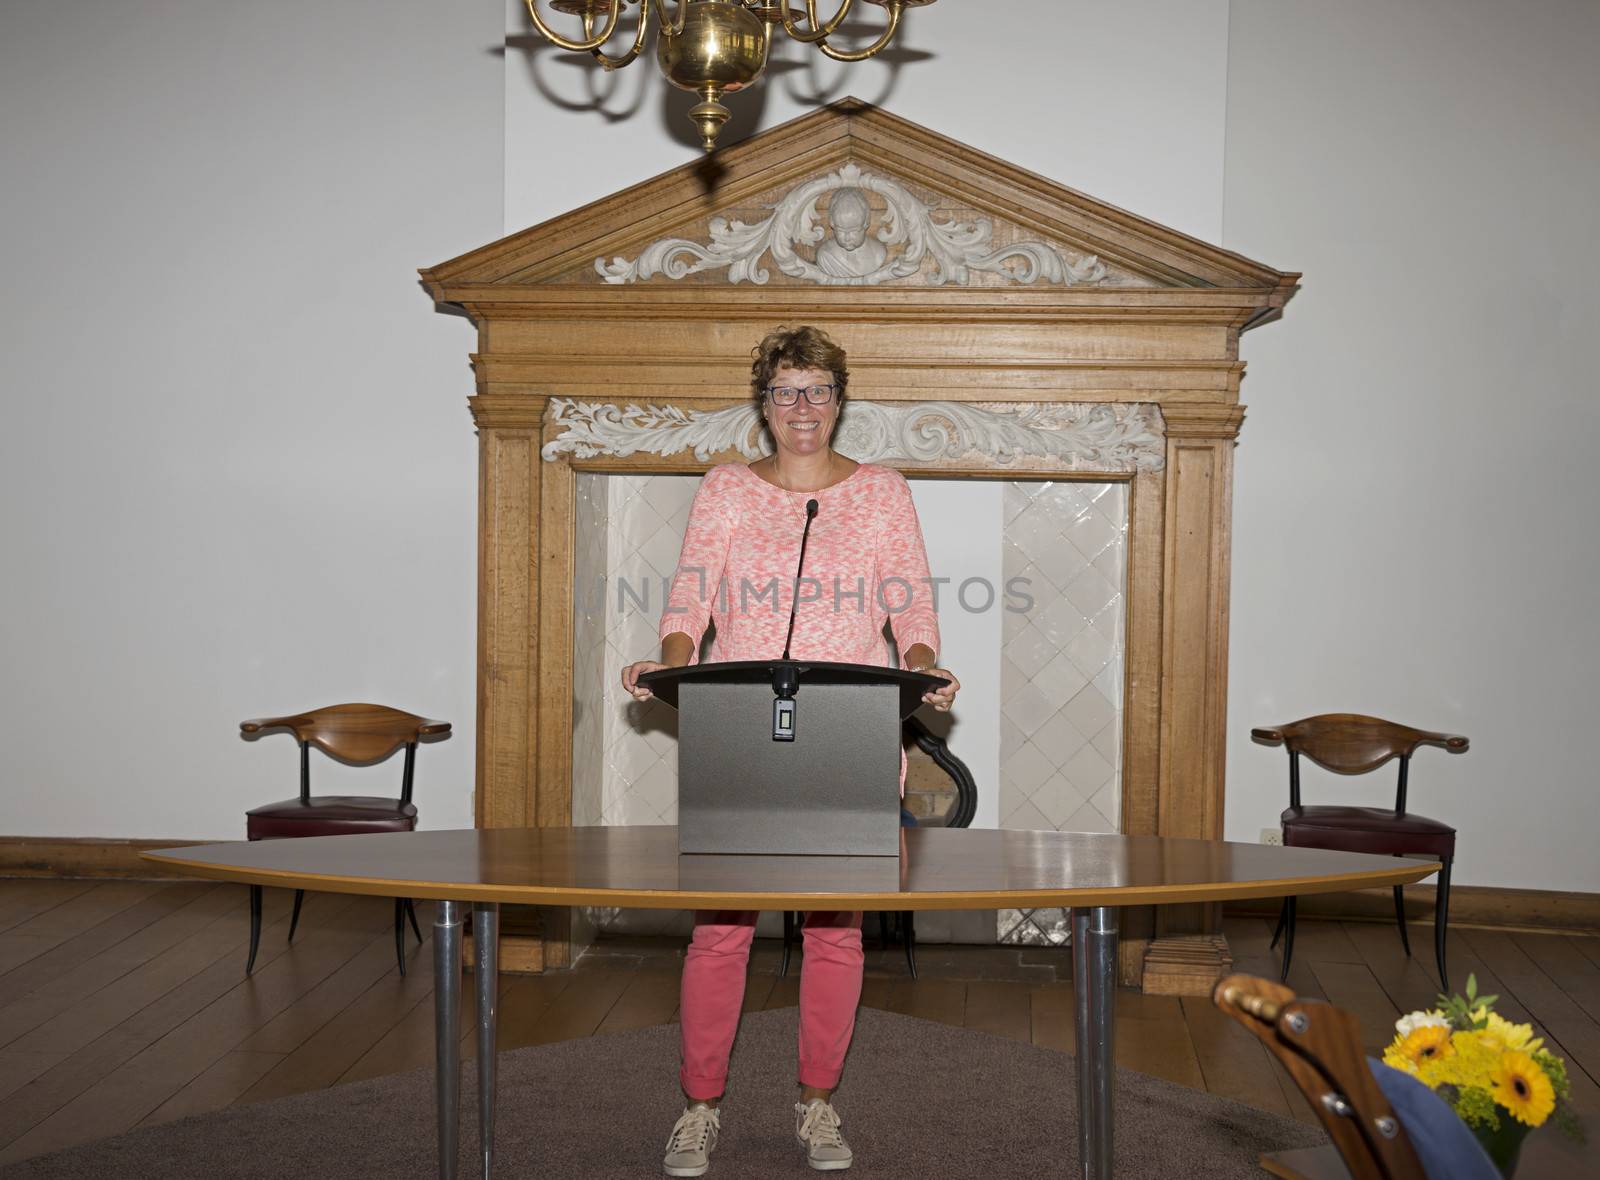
{"x":996,"y":323}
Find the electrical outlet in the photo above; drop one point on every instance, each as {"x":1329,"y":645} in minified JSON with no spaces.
{"x":1272,"y":835}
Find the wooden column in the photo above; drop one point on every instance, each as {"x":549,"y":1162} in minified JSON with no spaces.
{"x":510,"y":511}
{"x":1141,"y":707}
{"x":1194,"y":672}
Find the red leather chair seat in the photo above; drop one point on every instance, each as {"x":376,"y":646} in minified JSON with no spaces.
{"x":329,"y":815}
{"x":1367,"y":829}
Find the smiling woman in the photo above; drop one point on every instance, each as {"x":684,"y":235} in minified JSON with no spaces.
{"x":865,"y":567}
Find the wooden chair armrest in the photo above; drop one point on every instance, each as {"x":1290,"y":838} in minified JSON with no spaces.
{"x":1453,"y":742}
{"x":1268,"y":735}
{"x":264,"y":724}
{"x":434,"y":729}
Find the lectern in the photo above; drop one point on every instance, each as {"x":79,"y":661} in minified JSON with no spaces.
{"x":789,"y":756}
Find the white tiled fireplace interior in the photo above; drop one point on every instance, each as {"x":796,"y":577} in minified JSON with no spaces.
{"x":1061,"y":671}
{"x":628,"y":530}
{"x":1059,"y":714}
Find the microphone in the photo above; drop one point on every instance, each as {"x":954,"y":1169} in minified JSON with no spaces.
{"x":786,"y":677}
{"x":811,"y":514}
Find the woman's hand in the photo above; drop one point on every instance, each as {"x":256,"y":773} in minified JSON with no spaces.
{"x":944,"y":696}
{"x":677,"y":649}
{"x":631,"y":674}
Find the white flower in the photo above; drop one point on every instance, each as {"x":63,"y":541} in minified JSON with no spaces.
{"x":1406,"y":1025}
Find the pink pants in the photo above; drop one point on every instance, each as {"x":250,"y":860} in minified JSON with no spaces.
{"x":713,"y":994}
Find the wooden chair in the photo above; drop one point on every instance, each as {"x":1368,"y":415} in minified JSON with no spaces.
{"x":1348,"y":743}
{"x":959,"y":816}
{"x":1320,"y":1047}
{"x":361,"y":735}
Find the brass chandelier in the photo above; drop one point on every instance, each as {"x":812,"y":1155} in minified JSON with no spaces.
{"x":711,"y":47}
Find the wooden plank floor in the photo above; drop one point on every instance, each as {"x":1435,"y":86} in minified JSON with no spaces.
{"x":125,"y":1003}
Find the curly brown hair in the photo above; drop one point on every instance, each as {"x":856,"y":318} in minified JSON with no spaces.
{"x":804,"y":347}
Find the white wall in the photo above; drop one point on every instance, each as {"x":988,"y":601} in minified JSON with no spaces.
{"x":1414,"y":529}
{"x":238,"y":474}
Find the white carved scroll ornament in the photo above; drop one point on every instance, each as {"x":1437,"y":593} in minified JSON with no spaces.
{"x":955,"y":248}
{"x":1099,"y":436}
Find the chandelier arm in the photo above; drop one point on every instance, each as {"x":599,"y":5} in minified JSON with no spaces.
{"x":817,"y":31}
{"x":895,"y":8}
{"x":671,"y":28}
{"x":616,"y":63}
{"x":584,"y":46}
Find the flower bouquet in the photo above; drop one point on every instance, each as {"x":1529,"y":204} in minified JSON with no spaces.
{"x":1497,"y":1076}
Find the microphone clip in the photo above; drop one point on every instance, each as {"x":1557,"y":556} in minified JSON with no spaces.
{"x":785,"y":680}
{"x":785,"y":683}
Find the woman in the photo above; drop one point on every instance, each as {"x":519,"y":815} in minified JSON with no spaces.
{"x":865,"y":565}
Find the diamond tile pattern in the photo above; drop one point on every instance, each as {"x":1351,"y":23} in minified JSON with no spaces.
{"x":642,"y":534}
{"x":1061,"y":671}
{"x":629,"y":529}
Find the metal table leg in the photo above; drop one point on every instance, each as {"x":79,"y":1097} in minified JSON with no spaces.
{"x":447,"y":1032}
{"x":486,"y":955}
{"x":1094,"y":975}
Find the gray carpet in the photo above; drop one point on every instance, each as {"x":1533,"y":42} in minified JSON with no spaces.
{"x":919,"y":1100}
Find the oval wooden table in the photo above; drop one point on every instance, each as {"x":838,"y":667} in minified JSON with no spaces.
{"x":938,"y":869}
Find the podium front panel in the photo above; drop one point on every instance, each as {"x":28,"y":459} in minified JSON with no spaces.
{"x":833,"y":790}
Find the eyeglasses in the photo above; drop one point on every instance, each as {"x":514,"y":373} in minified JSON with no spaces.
{"x":787,"y":395}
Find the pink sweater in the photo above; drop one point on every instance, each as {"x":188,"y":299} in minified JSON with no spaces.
{"x":865,"y":564}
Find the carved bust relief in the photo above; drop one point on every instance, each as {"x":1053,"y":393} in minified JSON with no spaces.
{"x":849,"y":251}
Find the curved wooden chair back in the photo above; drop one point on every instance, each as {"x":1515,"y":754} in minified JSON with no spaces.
{"x":1350,"y":743}
{"x":356,"y":733}
{"x":1320,"y":1047}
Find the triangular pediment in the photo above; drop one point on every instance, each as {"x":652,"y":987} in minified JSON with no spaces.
{"x":853,"y":197}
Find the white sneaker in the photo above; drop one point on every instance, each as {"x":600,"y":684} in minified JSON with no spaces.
{"x":817,"y":1128}
{"x":693,"y":1136}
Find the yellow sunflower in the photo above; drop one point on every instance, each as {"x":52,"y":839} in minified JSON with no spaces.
{"x":1418,"y":1047}
{"x":1522,"y":1088}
